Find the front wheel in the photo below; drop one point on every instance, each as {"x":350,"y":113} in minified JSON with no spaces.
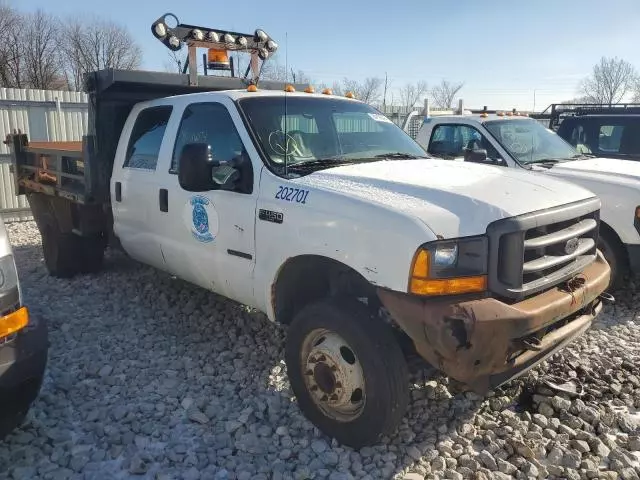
{"x":614,"y":255}
{"x":347,"y":371}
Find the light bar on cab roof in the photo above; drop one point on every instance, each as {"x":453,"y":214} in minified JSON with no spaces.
{"x":258,"y":42}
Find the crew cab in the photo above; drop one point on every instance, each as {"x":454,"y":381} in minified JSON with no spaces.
{"x":23,"y":345}
{"x":320,"y":212}
{"x":516,"y":142}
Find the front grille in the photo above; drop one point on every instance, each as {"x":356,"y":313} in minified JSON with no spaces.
{"x":539,"y":250}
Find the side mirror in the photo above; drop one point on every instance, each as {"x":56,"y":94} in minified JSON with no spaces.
{"x":476,"y":156}
{"x":196,"y":164}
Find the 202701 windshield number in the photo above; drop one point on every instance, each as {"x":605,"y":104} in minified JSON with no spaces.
{"x":292,"y":195}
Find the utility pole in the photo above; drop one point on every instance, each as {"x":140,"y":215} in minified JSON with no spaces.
{"x":384,"y":98}
{"x":534,"y":99}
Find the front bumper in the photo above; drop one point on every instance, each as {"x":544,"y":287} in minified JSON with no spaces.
{"x":23,"y":359}
{"x":484,"y":343}
{"x":633,"y":253}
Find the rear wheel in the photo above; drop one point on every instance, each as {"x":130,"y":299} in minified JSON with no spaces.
{"x":347,"y":371}
{"x":92,"y":252}
{"x":60,"y":252}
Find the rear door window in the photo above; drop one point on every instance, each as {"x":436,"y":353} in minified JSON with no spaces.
{"x":146,"y":138}
{"x":609,"y":138}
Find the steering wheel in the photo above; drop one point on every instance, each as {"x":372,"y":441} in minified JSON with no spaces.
{"x":519,"y":148}
{"x":285,"y":144}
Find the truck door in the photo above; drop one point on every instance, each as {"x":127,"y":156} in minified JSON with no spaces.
{"x":134,"y":184}
{"x":207,"y":238}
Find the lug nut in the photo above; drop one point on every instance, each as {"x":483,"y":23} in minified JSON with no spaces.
{"x":338,"y":385}
{"x":321,"y":358}
{"x":324,"y":398}
{"x":333,"y":397}
{"x":309,"y":372}
{"x":314,"y":388}
{"x":333,"y":368}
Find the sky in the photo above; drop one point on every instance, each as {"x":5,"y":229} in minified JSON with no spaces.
{"x":509,"y":54}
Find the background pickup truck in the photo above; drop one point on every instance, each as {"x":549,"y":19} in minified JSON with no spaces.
{"x":320,"y":212}
{"x":508,"y":141}
{"x":604,"y":131}
{"x":24,"y":345}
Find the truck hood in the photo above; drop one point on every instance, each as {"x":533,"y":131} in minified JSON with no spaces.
{"x":609,"y":170}
{"x":453,"y":199}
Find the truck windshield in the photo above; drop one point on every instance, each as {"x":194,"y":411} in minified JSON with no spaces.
{"x":529,"y":142}
{"x":317,"y":133}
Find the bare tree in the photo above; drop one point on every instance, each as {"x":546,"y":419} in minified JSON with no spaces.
{"x":42,"y":62}
{"x":174,"y":62}
{"x":95,"y":44}
{"x":411,"y":93}
{"x":272,"y":69}
{"x":11,"y":49}
{"x":368,"y":90}
{"x":611,"y":80}
{"x":444,"y":94}
{"x":636,"y":94}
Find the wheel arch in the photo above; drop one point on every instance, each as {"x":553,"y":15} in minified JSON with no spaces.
{"x":307,"y":278}
{"x":610,"y":234}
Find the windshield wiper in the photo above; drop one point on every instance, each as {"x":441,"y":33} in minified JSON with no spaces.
{"x":327,"y":162}
{"x":398,"y":155}
{"x":550,"y":162}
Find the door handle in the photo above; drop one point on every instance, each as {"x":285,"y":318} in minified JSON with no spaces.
{"x":164,"y":200}
{"x":118,"y":192}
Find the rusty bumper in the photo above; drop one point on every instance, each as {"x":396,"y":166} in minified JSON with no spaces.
{"x":484,"y":343}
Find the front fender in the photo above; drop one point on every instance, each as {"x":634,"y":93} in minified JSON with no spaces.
{"x":376,"y":242}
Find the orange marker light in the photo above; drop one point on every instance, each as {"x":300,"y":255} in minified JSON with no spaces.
{"x":449,"y":286}
{"x":252,"y":88}
{"x":421,"y":265}
{"x":13,"y":322}
{"x":289,"y":88}
{"x":309,"y":89}
{"x":349,"y":95}
{"x":327,"y":91}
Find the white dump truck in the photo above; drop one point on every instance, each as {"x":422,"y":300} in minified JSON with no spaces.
{"x":320,"y":212}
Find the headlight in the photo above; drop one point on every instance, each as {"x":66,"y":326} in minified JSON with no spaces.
{"x":450,"y":267}
{"x":8,"y":274}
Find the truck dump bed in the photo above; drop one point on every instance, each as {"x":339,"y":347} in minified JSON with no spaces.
{"x":80,"y":171}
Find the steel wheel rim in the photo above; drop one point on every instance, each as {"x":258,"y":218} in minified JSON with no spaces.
{"x":333,"y":375}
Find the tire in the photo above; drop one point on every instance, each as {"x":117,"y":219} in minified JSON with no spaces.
{"x":368,"y":358}
{"x":16,"y":404}
{"x":615,"y":257}
{"x":92,"y":252}
{"x":60,"y":252}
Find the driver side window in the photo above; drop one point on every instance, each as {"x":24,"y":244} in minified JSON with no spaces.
{"x":208,"y":123}
{"x":454,"y":140}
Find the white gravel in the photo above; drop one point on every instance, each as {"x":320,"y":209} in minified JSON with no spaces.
{"x":149,"y":377}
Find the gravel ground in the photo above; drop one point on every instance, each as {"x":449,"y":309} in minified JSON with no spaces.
{"x":149,"y":377}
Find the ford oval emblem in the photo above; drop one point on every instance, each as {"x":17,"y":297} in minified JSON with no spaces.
{"x":571,"y":246}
